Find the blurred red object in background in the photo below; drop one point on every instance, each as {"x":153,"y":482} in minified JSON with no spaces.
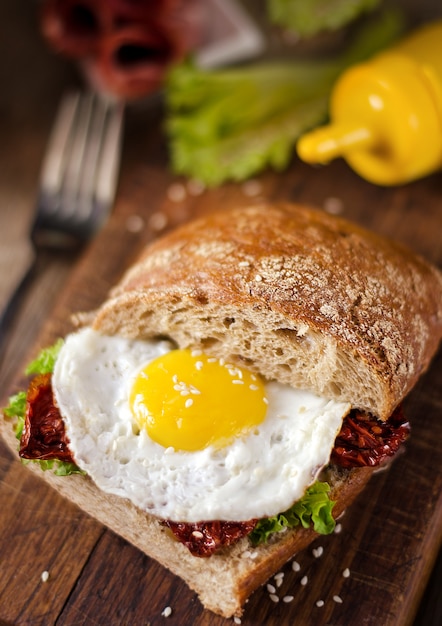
{"x":125,"y":47}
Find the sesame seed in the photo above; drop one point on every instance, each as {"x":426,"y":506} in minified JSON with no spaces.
{"x":317,"y":552}
{"x":237,"y":620}
{"x":288,"y":599}
{"x":234,"y":371}
{"x":236,"y":381}
{"x":338,"y":529}
{"x":333,"y":205}
{"x":199,"y":365}
{"x":158,"y":221}
{"x":188,"y":403}
{"x":176,"y":192}
{"x":195,"y":353}
{"x":320,"y":603}
{"x":258,"y":278}
{"x":251,"y":188}
{"x":295,"y":566}
{"x":167,"y":612}
{"x":250,"y":555}
{"x":243,"y":264}
{"x":265,"y":400}
{"x":134,"y":223}
{"x":273,"y":597}
{"x":304,"y":580}
{"x":337,"y":599}
{"x":346,"y":573}
{"x":271,"y":588}
{"x":197,"y":534}
{"x":45,"y":576}
{"x":254,"y":387}
{"x":195,"y":187}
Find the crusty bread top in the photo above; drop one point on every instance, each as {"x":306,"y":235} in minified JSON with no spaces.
{"x":294,"y":293}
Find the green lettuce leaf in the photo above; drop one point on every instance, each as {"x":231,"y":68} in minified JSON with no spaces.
{"x":45,"y":361}
{"x":232,"y":123}
{"x":308,"y":17}
{"x":314,"y":508}
{"x":60,"y":468}
{"x":16,"y":409}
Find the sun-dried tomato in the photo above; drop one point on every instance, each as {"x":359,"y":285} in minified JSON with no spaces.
{"x":367,"y":441}
{"x":205,"y":538}
{"x":44,"y":435}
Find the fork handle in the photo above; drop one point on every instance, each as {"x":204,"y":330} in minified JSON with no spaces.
{"x":13,"y":304}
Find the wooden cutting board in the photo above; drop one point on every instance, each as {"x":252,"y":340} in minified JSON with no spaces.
{"x":372,"y":573}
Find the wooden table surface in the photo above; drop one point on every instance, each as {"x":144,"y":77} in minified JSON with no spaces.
{"x":389,"y":541}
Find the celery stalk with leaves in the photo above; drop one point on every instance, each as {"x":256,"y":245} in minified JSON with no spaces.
{"x":230,"y":124}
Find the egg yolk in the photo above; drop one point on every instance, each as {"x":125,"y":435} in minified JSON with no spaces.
{"x":188,"y":400}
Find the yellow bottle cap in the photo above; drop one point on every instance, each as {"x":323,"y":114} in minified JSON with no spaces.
{"x":385,"y":120}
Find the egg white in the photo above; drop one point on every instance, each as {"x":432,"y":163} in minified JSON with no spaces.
{"x":257,"y":475}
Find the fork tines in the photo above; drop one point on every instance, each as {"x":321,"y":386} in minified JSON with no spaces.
{"x":80,"y":170}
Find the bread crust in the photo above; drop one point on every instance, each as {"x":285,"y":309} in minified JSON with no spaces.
{"x":298,"y":295}
{"x":222,"y":582}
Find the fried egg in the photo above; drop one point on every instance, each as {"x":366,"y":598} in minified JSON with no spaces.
{"x":186,"y":436}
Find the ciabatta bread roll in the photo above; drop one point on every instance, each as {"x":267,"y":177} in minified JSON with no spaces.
{"x":297,"y":295}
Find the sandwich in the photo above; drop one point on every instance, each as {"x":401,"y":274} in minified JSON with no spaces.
{"x":236,"y":390}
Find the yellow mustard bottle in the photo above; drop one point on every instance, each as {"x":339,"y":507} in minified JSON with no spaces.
{"x":386,"y":113}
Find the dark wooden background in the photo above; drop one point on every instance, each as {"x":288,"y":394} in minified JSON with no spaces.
{"x":389,"y":539}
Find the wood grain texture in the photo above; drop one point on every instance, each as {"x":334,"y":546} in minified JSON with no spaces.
{"x":390,"y":537}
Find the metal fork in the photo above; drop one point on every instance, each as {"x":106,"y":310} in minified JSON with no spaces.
{"x":77,"y":183}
